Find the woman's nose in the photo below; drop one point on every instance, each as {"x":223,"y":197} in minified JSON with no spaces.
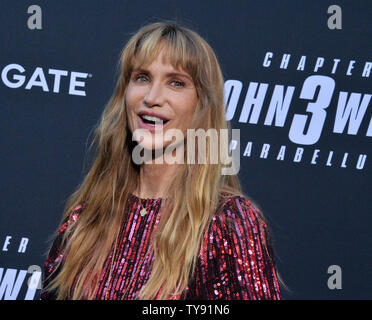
{"x":154,"y":96}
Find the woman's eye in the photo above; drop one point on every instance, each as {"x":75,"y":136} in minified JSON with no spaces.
{"x":177,"y":83}
{"x":140,"y":78}
{"x":143,"y":78}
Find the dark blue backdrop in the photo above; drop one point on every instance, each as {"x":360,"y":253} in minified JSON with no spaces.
{"x":320,"y":214}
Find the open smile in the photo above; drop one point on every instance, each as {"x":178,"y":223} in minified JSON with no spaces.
{"x":152,"y":123}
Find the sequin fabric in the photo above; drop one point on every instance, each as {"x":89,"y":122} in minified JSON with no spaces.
{"x":232,"y":262}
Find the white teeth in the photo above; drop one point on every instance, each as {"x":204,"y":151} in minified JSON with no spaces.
{"x":151,"y":118}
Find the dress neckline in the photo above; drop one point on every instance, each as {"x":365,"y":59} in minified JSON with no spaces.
{"x":146,"y":199}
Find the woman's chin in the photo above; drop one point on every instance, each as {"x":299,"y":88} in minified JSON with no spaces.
{"x":158,"y":152}
{"x":152,"y":145}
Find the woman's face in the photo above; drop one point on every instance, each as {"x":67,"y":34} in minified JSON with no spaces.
{"x":167,"y":95}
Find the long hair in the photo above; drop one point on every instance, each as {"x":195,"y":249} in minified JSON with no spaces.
{"x":193,"y":195}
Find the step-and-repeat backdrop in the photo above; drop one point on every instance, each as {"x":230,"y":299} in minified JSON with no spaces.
{"x":297,"y":85}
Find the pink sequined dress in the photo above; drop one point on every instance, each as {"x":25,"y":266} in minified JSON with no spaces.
{"x":232,"y":263}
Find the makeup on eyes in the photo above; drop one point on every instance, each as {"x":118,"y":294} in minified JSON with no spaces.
{"x":171,"y":75}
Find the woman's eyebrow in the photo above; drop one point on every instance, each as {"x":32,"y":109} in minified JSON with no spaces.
{"x":169,"y":74}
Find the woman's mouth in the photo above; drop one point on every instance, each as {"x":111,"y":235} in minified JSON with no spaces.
{"x":151,"y":123}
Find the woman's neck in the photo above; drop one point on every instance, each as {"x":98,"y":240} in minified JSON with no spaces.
{"x":155,"y":179}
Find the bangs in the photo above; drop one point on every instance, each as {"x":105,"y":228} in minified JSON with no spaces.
{"x":178,"y":49}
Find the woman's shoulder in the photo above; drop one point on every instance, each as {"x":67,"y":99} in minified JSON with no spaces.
{"x":237,"y":211}
{"x":71,"y":217}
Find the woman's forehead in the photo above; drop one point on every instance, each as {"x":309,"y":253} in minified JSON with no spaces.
{"x":166,"y":53}
{"x":163,"y":58}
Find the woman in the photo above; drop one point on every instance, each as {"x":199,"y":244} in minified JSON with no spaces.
{"x":160,"y":230}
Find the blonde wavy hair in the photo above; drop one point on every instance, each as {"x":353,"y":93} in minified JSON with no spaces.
{"x":193,"y":195}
